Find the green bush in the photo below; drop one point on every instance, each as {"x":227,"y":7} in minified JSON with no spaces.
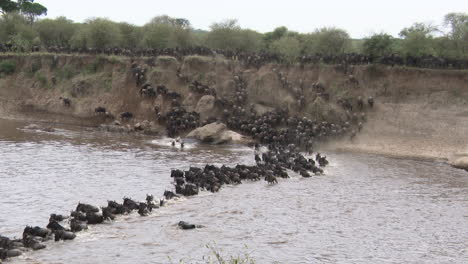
{"x":216,"y":256}
{"x":93,"y":67}
{"x":7,"y":67}
{"x":41,"y":78}
{"x":66,"y":72}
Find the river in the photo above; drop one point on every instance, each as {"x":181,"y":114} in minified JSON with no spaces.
{"x":365,"y":209}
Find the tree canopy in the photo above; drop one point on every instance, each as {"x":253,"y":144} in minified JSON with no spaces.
{"x":21,"y":25}
{"x":29,"y":8}
{"x":379,"y":45}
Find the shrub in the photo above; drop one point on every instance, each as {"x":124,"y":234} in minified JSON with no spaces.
{"x":96,"y":65}
{"x":7,"y":67}
{"x":66,"y":72}
{"x":41,"y":78}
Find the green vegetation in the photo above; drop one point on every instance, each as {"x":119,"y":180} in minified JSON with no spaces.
{"x":95,"y":66}
{"x":66,"y":72}
{"x":379,"y":44}
{"x":41,"y":78}
{"x":20,"y":28}
{"x":216,"y":257}
{"x":28,"y":8}
{"x":7,"y":67}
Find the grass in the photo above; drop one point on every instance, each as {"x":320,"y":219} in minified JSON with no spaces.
{"x":216,"y":256}
{"x":66,"y":73}
{"x":96,"y":65}
{"x":166,"y":60}
{"x":36,"y":65}
{"x":196,"y":59}
{"x":41,"y":78}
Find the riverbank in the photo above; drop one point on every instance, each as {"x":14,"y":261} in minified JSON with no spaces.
{"x":414,"y":130}
{"x":418,"y":113}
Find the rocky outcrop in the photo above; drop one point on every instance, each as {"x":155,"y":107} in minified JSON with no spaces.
{"x":217,"y":133}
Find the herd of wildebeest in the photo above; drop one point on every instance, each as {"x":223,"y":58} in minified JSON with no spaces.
{"x":260,"y":58}
{"x":281,"y":139}
{"x":269,"y":165}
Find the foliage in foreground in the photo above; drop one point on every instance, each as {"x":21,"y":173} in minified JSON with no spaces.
{"x":216,"y":257}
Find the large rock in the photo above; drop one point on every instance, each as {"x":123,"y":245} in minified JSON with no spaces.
{"x":217,"y":133}
{"x":460,"y":163}
{"x":205,"y":106}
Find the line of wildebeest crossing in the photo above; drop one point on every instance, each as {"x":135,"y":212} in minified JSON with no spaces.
{"x":269,"y":165}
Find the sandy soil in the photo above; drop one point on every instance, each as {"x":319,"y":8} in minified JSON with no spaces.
{"x":412,"y":130}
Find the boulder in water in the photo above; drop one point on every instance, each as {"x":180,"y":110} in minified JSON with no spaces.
{"x":460,"y":163}
{"x":217,"y":133}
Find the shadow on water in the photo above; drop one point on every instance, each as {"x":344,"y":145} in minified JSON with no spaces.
{"x":365,"y":209}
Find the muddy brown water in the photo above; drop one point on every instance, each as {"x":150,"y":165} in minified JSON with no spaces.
{"x":365,"y":209}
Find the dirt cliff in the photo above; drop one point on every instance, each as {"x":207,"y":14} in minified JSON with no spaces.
{"x":418,"y":112}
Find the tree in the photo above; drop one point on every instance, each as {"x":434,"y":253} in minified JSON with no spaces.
{"x":418,"y":28}
{"x":328,"y":41}
{"x":458,"y":23}
{"x":418,"y":40}
{"x":97,"y":33}
{"x":8,"y":6}
{"x":378,"y":45}
{"x":249,"y":40}
{"x":131,"y":35}
{"x":224,"y":35}
{"x":81,"y":36}
{"x":288,"y":47}
{"x":164,"y":32}
{"x":276,"y":34}
{"x":32,"y":10}
{"x":55,"y":32}
{"x":14,"y":28}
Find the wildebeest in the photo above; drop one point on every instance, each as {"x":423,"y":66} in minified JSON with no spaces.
{"x":66,"y":101}
{"x":126,"y":115}
{"x":100,"y":110}
{"x":370,"y":101}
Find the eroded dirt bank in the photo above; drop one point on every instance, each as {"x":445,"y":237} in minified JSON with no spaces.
{"x":417,"y":113}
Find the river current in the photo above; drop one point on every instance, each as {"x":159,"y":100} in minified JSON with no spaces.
{"x":364,"y":209}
